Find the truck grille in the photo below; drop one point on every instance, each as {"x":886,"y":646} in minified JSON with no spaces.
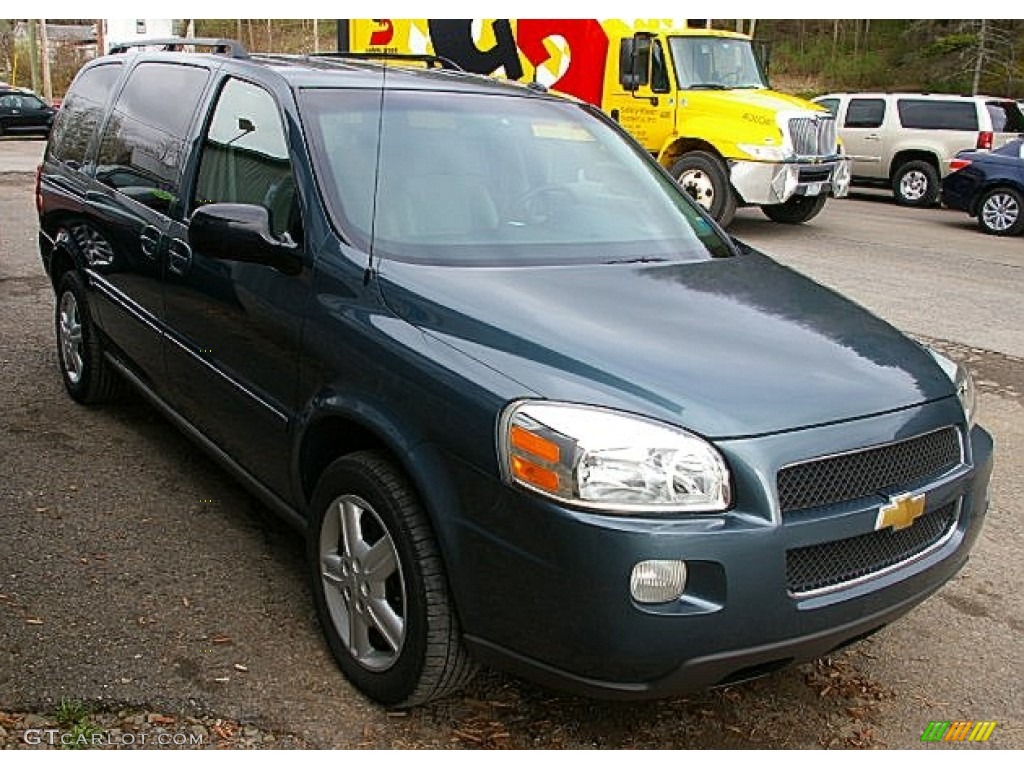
{"x":872,"y":471}
{"x":834,"y":563}
{"x":813,"y":136}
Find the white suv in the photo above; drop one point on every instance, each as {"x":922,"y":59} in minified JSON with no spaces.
{"x":907,"y":140}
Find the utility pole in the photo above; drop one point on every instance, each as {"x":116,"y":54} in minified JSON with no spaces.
{"x":33,"y":53}
{"x":101,"y":38}
{"x":45,"y":56}
{"x":316,"y":35}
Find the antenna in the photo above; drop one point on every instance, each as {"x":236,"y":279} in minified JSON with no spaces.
{"x":368,"y":274}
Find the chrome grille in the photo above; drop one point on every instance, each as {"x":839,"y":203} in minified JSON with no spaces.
{"x":834,"y":563}
{"x":813,"y":136}
{"x":879,"y":470}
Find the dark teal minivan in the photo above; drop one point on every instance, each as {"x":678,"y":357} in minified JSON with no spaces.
{"x":530,"y":406}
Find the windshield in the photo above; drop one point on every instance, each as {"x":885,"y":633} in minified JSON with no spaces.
{"x":715,"y":62}
{"x":496,"y":180}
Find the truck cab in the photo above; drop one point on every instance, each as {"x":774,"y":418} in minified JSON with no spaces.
{"x":699,"y":100}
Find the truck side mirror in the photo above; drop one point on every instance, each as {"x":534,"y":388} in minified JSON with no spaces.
{"x":634,"y":61}
{"x":765,"y":58}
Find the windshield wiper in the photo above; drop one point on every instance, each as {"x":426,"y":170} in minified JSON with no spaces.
{"x":638,"y":260}
{"x":708,"y":87}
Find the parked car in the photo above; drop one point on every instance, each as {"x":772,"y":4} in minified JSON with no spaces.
{"x":990,"y":186}
{"x":23,"y":112}
{"x":528,"y":403}
{"x":906,"y":140}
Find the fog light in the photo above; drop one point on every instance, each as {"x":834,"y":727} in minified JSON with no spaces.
{"x":658,"y":581}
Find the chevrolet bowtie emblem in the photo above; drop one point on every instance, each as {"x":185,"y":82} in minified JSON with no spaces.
{"x":900,"y":512}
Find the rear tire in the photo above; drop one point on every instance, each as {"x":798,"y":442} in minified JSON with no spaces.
{"x":706,"y":179}
{"x":87,"y":375}
{"x":797,"y":210}
{"x":916,"y":184}
{"x":1000,"y":212}
{"x":379,"y":585}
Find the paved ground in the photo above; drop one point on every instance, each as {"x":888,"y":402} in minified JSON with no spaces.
{"x":135,"y":576}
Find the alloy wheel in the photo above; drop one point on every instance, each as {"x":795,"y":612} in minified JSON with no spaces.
{"x":1000,"y":212}
{"x":71,"y":337}
{"x":363,"y":583}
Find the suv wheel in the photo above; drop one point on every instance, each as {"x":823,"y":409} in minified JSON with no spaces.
{"x":379,"y":585}
{"x":916,"y":183}
{"x":704,"y":178}
{"x":999,"y":212}
{"x":797,"y":210}
{"x":87,"y":375}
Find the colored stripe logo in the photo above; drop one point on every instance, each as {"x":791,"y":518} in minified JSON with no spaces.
{"x":958,"y":730}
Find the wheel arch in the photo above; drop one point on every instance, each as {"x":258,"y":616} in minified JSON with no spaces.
{"x":909,"y":155}
{"x":676,"y":147}
{"x":338,"y":426}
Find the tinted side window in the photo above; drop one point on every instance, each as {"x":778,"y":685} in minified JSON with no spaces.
{"x":865,"y":113}
{"x":80,"y":113}
{"x":143,"y":144}
{"x":245,"y":158}
{"x":938,"y":115}
{"x":832,"y":105}
{"x":1006,"y":117}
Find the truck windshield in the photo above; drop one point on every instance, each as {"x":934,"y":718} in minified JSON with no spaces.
{"x":715,"y":63}
{"x":496,"y":180}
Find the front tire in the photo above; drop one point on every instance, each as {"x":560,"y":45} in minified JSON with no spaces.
{"x":999,"y":212}
{"x":706,"y":179}
{"x":87,"y":375}
{"x":797,"y":210}
{"x":916,"y":184}
{"x":379,"y":585}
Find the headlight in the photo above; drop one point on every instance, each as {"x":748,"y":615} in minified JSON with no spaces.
{"x":767,"y":153}
{"x":962,"y":379}
{"x":610,"y":461}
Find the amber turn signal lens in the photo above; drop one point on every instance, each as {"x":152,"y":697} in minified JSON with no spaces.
{"x":534,"y":444}
{"x":534,"y":474}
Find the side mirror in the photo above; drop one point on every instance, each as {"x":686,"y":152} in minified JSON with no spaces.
{"x":634,"y":61}
{"x":241,"y":232}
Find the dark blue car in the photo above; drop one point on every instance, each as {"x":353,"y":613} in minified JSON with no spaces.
{"x":528,"y":404}
{"x":990,"y":186}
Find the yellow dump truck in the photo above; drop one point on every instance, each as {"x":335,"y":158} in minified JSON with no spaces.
{"x":696,"y":98}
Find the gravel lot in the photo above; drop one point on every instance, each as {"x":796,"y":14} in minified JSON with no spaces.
{"x":138,"y":580}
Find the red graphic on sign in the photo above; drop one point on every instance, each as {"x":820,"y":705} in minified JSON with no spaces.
{"x":383,"y":36}
{"x":588,"y":52}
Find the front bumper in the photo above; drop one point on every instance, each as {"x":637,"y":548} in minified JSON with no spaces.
{"x":550,"y":587}
{"x":773,"y":183}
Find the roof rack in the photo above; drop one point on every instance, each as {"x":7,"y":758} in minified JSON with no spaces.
{"x":232,"y":48}
{"x":425,"y":58}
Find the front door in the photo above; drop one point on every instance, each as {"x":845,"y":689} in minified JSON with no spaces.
{"x":862,"y":136}
{"x":233,"y":327}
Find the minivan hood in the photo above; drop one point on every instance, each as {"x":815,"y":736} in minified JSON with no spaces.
{"x":726,"y":348}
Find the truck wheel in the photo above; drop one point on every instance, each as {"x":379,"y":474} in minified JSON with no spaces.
{"x":379,"y":585}
{"x":704,"y":178}
{"x":1000,"y":212}
{"x":916,"y":184}
{"x":797,"y":210}
{"x":87,"y":375}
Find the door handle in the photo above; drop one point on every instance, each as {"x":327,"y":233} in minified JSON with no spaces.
{"x":179,"y":257}
{"x":872,"y":137}
{"x":149,"y":241}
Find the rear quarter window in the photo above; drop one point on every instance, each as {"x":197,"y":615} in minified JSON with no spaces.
{"x":80,"y":114}
{"x":938,"y":115}
{"x":1006,"y":117}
